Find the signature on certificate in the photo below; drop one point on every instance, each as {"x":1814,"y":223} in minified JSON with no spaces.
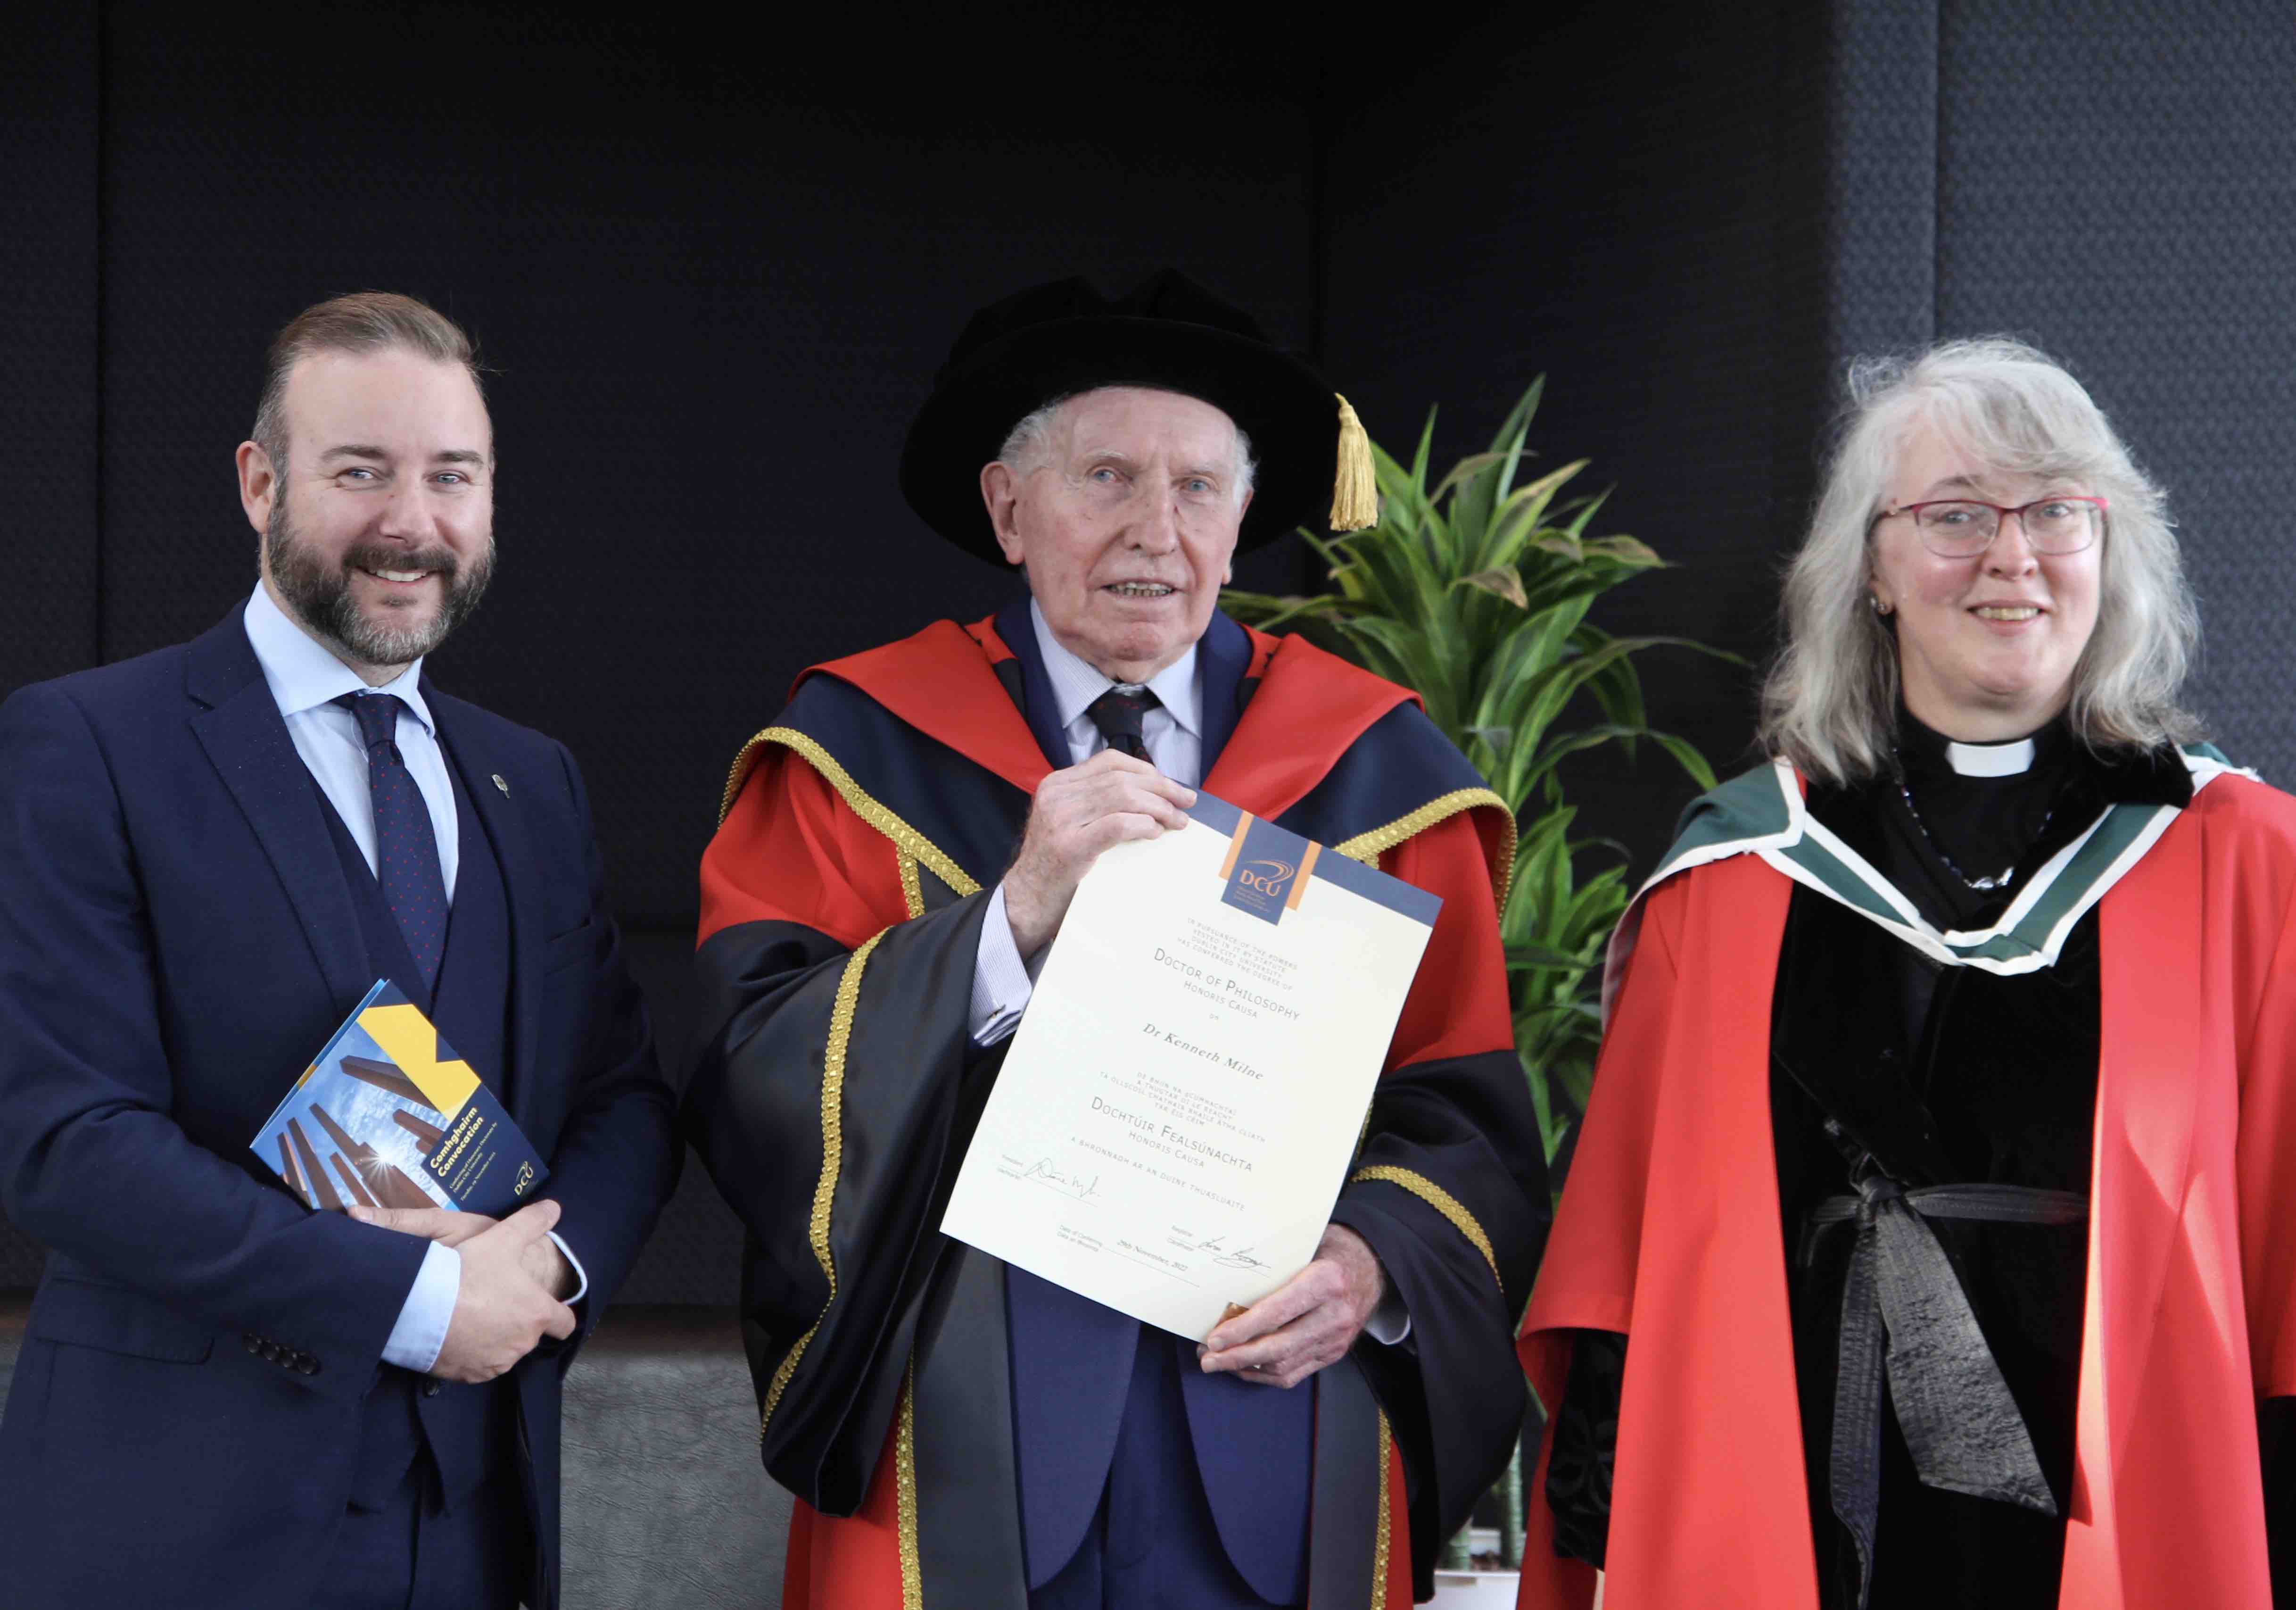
{"x":1044,"y":1171}
{"x":1216,"y":1247}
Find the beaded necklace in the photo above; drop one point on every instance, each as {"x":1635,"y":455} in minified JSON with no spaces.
{"x":1984,"y":885}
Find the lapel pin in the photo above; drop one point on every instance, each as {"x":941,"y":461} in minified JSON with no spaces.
{"x":501,"y":784}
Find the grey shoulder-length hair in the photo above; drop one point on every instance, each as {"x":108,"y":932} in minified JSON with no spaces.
{"x":1830,"y":702}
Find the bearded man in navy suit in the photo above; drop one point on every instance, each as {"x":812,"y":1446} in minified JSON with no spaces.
{"x":210,"y":853}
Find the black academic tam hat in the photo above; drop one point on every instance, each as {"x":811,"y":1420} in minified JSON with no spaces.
{"x":1059,"y":338}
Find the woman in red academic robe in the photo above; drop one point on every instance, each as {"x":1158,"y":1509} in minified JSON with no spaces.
{"x":1924,"y":1244}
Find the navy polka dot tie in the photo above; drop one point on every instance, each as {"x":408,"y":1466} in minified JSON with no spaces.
{"x":405,"y":847}
{"x":1119,"y":713}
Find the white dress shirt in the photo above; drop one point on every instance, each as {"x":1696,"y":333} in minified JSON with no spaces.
{"x":306,"y":679}
{"x":1174,"y":737}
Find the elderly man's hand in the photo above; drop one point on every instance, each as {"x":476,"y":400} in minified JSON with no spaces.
{"x":1309,"y":1321}
{"x":1077,"y":813}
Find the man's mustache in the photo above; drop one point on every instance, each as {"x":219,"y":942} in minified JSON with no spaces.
{"x":392,"y":556}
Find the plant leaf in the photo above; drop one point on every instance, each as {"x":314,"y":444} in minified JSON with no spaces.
{"x":1526,"y":954}
{"x":1504,"y":582}
{"x":1419,"y":459}
{"x":1463,"y":469}
{"x":1629,"y":550}
{"x":1517,"y":424}
{"x":1266,"y":610}
{"x":1516,"y":518}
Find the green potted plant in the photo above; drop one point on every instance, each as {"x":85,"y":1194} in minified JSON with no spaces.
{"x":1475,"y":593}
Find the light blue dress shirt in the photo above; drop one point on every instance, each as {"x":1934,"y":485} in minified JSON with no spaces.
{"x":306,"y":679}
{"x":1173,"y":735}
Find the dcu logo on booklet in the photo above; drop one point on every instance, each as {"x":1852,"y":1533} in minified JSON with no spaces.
{"x":1266,"y":868}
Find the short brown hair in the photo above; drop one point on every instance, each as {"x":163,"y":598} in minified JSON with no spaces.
{"x":365,"y":321}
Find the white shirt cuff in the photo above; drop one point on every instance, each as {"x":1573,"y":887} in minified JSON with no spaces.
{"x":423,"y":1319}
{"x":1391,"y":1321}
{"x":581,"y":1275}
{"x":1002,"y":983}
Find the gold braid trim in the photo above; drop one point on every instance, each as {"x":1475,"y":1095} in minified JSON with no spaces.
{"x":832,"y":1157}
{"x":1435,"y":1196}
{"x":1381,"y":1550}
{"x":912,"y":894}
{"x":858,"y":799}
{"x":745,"y":761}
{"x":905,"y":1495}
{"x":1368,"y":847}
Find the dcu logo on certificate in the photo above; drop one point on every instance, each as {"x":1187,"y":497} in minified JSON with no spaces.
{"x":1266,"y":869}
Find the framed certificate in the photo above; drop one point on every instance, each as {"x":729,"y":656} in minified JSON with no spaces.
{"x":1179,"y":1109}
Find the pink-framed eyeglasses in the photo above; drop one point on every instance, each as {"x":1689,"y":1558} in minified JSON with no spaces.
{"x":1962,"y":528}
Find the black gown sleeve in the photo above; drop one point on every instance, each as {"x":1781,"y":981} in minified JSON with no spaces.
{"x":1586,"y":1433}
{"x":832,"y":1098}
{"x":2276,"y":1438}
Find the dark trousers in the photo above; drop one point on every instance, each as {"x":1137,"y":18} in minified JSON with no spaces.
{"x":1152,"y":1545}
{"x":412,"y":1552}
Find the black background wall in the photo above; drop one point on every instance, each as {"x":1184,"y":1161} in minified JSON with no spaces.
{"x":714,"y":274}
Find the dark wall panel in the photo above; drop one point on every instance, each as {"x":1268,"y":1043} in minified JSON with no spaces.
{"x":49,"y":151}
{"x":1627,"y":200}
{"x":2118,"y":184}
{"x":1880,"y":87}
{"x":50,"y":290}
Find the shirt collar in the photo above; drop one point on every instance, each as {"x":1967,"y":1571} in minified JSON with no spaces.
{"x":1990,"y":759}
{"x":1925,"y":753}
{"x":1076,"y":685}
{"x":303,"y":675}
{"x":2122,"y":777}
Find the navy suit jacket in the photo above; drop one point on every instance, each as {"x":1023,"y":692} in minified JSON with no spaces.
{"x":176,"y":940}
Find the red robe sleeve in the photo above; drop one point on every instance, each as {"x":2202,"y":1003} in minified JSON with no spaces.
{"x":1668,"y":1232}
{"x":789,"y":850}
{"x":1458,"y":1004}
{"x":2266,"y":924}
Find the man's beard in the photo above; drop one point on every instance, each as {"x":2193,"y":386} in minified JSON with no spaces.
{"x":320,"y":593}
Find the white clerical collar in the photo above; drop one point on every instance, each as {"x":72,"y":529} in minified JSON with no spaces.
{"x":1076,"y":685}
{"x":1990,"y":759}
{"x":303,"y":675}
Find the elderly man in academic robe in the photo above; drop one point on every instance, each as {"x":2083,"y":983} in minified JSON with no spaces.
{"x":897,"y":849}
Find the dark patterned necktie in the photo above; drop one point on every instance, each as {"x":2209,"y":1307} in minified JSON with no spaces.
{"x":406,"y":845}
{"x":1119,"y":713}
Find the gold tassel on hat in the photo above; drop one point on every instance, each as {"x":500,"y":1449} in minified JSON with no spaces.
{"x":1354,"y":489}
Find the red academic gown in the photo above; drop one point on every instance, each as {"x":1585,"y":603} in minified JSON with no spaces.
{"x":1668,"y":1231}
{"x":810,"y":865}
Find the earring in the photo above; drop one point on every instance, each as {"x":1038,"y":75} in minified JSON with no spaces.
{"x":1874,"y":599}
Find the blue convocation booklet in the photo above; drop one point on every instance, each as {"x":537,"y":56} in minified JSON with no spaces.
{"x":387,"y":1115}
